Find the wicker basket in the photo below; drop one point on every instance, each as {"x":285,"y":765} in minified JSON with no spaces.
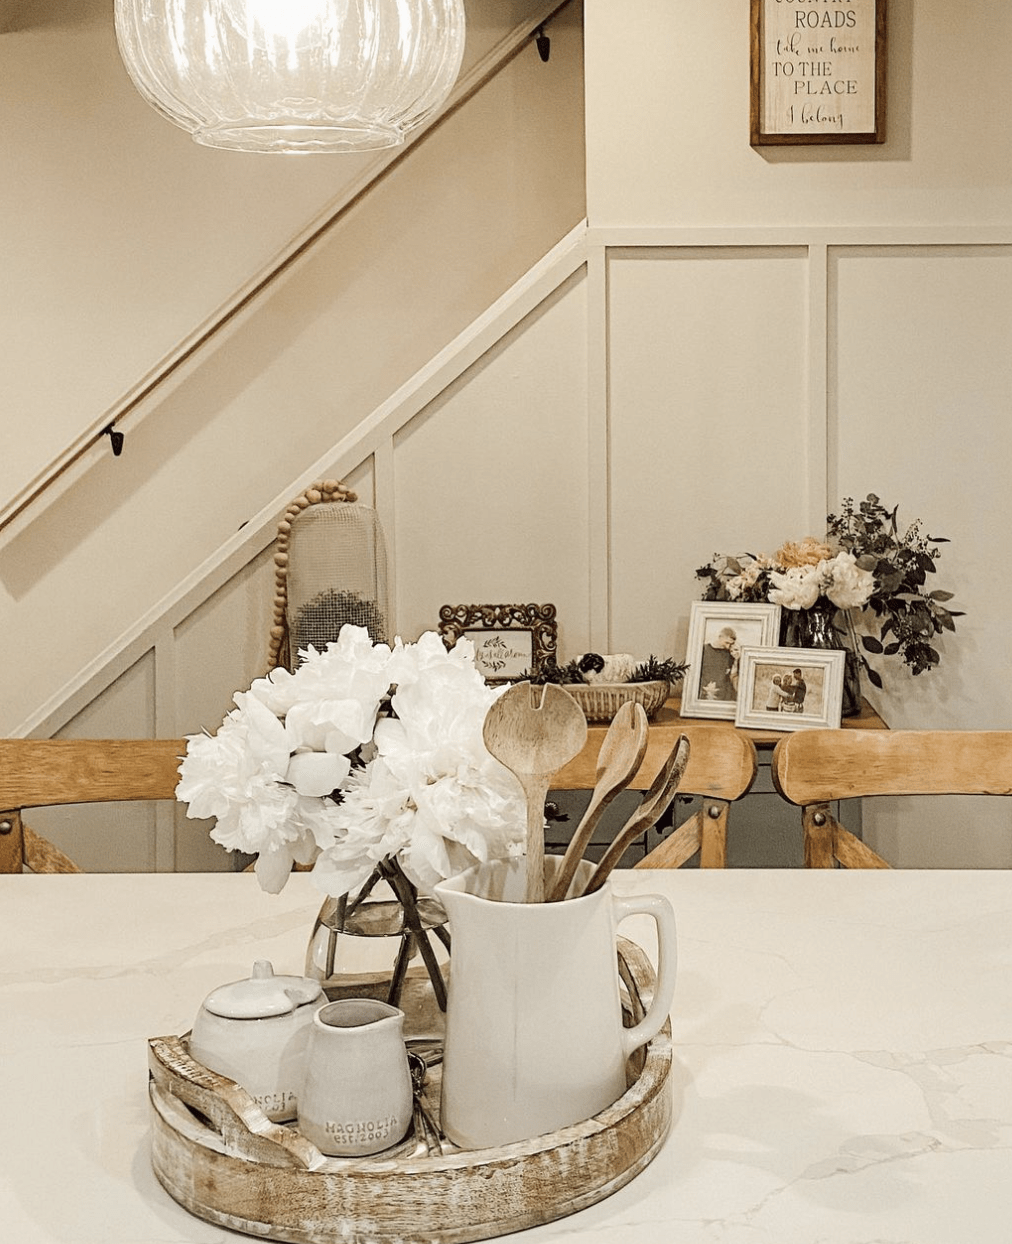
{"x":601,"y":701}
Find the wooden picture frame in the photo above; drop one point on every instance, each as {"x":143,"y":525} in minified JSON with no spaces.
{"x":811,"y":700}
{"x":510,"y":641}
{"x":709,"y":688}
{"x":817,"y":72}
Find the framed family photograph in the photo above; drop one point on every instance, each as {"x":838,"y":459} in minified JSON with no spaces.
{"x":510,"y":641}
{"x":718,"y":631}
{"x":790,"y":688}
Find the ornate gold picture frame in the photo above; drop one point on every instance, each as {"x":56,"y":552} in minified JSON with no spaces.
{"x":510,"y":641}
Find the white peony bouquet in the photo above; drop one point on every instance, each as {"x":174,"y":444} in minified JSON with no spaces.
{"x":867,"y":564}
{"x":365,"y":753}
{"x":795,"y":577}
{"x":840,"y":579}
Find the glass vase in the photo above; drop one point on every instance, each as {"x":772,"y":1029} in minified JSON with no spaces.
{"x":818,"y":628}
{"x":400,"y":925}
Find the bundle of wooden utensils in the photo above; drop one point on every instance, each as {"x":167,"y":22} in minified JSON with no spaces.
{"x":534,"y":731}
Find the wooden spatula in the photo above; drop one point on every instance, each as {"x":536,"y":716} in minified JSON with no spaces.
{"x":620,"y":756}
{"x":534,"y":731}
{"x":655,"y":804}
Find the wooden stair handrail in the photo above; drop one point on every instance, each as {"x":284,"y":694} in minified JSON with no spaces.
{"x":72,"y":459}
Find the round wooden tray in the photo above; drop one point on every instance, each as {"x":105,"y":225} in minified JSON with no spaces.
{"x":220,"y":1157}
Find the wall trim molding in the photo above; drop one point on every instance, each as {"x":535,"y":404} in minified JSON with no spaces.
{"x":371,"y":444}
{"x":372,"y":439}
{"x":138,"y":402}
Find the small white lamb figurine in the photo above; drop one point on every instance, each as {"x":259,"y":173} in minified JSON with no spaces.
{"x":601,"y":669}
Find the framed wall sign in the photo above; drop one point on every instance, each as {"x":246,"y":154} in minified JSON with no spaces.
{"x":510,"y":641}
{"x":818,"y":71}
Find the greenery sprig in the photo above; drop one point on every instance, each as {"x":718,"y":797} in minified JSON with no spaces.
{"x":652,"y":669}
{"x":908,"y":615}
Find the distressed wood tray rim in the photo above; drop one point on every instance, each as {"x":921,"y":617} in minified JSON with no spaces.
{"x":217,"y":1154}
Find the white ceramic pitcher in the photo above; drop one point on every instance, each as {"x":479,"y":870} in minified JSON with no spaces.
{"x":534,"y":1036}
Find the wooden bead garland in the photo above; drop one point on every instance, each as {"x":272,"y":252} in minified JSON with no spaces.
{"x":321,"y":491}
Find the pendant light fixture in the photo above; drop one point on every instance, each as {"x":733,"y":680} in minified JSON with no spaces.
{"x":293,"y":75}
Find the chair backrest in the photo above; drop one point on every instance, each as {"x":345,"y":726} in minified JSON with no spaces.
{"x":813,"y":768}
{"x":722,"y":767}
{"x":37,"y":773}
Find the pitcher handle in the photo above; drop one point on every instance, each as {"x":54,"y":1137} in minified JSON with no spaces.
{"x":662,"y":913}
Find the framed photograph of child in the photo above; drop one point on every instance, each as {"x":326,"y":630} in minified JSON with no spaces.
{"x":789,"y":688}
{"x":718,"y":631}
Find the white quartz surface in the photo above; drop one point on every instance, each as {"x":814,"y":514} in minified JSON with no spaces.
{"x":843,"y":1054}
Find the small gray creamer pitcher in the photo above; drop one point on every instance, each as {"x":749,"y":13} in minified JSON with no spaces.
{"x":356,"y":1097}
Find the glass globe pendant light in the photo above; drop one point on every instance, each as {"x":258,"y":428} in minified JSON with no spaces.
{"x":293,"y":75}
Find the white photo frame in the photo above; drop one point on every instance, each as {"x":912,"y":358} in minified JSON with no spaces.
{"x":790,"y":689}
{"x":709,"y":688}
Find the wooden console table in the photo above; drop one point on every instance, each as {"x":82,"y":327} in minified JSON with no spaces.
{"x":765,"y":831}
{"x":579,"y":774}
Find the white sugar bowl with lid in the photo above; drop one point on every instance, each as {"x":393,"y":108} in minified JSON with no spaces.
{"x":255,"y":1032}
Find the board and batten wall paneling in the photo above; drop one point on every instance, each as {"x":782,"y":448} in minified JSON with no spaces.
{"x":207,"y":671}
{"x":921,"y":377}
{"x":709,"y":423}
{"x":113,"y":837}
{"x":491,"y":480}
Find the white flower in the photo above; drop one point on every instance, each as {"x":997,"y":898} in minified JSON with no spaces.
{"x":317,"y":773}
{"x":848,"y":585}
{"x":330,"y":702}
{"x":279,"y":778}
{"x":240,"y":777}
{"x":797,"y":588}
{"x":433,"y":795}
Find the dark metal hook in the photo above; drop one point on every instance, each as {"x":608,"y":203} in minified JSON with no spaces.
{"x":544,"y":44}
{"x":116,"y":438}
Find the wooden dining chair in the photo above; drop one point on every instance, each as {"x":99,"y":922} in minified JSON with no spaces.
{"x":814,"y":768}
{"x":38,"y":773}
{"x":722,"y":767}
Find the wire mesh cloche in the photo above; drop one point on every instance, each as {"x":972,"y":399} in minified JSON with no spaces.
{"x":330,"y":568}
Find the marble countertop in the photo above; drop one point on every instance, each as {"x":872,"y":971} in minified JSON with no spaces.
{"x":843,"y":1054}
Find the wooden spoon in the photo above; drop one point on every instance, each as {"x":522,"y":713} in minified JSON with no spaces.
{"x":534,"y":731}
{"x":655,"y":804}
{"x":620,"y":756}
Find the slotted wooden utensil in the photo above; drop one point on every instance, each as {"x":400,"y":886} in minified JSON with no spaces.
{"x":534,"y":731}
{"x":620,"y":756}
{"x":655,"y":803}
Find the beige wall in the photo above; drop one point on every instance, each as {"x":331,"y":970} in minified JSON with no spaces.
{"x":874,"y":358}
{"x":480,"y":200}
{"x":745,"y":338}
{"x":675,"y":150}
{"x":121,"y":236}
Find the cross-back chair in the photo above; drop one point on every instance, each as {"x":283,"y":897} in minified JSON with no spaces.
{"x":38,"y":773}
{"x":814,"y":768}
{"x":721,"y":769}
